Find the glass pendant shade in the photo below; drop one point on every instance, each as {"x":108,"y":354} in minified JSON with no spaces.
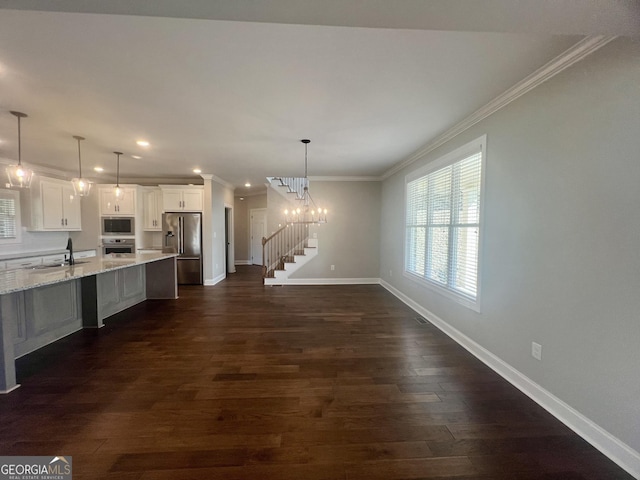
{"x":118,"y":192}
{"x":19,"y":175}
{"x":81,"y":186}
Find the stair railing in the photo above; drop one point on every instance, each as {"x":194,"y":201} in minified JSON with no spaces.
{"x":294,"y":184}
{"x":280,"y":247}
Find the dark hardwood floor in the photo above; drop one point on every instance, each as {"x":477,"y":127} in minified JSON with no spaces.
{"x":241,"y":381}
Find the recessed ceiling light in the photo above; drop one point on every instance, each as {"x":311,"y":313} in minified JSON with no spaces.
{"x":241,"y":198}
{"x":247,"y":184}
{"x":197,"y":170}
{"x":98,"y":169}
{"x":137,"y":157}
{"x":143,"y":143}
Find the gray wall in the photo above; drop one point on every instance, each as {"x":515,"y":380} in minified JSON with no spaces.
{"x":242,"y":226}
{"x":561,"y":256}
{"x":276,"y":205}
{"x":349,"y":240}
{"x":89,"y":237}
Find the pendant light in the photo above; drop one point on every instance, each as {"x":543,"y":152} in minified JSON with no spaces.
{"x":19,"y":175}
{"x":81,"y":186}
{"x":305,"y":210}
{"x":117,"y":191}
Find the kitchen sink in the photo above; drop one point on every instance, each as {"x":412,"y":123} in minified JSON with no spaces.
{"x":52,"y":265}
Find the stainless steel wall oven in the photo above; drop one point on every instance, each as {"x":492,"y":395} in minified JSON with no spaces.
{"x":118,"y":245}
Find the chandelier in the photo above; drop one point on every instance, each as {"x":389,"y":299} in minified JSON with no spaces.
{"x":304,"y":209}
{"x":19,"y":176}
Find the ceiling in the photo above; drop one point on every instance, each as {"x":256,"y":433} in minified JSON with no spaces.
{"x":232,"y":86}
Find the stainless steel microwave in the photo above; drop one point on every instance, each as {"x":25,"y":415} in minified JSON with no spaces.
{"x":118,"y":225}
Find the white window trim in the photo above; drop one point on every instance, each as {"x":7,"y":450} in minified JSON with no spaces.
{"x":6,"y":193}
{"x":448,"y":159}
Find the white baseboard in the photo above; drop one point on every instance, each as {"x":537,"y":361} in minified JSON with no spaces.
{"x":618,"y":451}
{"x":323,"y":281}
{"x":4,"y":392}
{"x":242,"y":262}
{"x":212,"y":281}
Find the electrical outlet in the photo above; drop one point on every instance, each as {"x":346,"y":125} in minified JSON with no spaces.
{"x":333,"y":267}
{"x":536,"y":350}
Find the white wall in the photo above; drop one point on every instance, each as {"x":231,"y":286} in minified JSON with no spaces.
{"x":216,"y":197}
{"x":561,"y":252}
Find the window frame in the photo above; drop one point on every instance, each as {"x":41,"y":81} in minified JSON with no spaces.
{"x":15,"y":195}
{"x":457,"y":155}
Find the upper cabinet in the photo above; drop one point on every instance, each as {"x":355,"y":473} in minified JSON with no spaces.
{"x":152,"y":209}
{"x":111,"y":206}
{"x":182,"y":198}
{"x":51,"y":205}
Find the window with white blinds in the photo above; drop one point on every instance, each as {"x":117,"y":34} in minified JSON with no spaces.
{"x":9,"y":216}
{"x":443,"y":205}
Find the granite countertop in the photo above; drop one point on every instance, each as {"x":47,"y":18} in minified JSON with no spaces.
{"x":27,"y":278}
{"x":44,"y":253}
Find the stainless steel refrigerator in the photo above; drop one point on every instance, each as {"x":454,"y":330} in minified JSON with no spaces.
{"x":183,"y":235}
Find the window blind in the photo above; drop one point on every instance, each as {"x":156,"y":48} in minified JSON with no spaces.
{"x":443,"y":223}
{"x":8,"y":227}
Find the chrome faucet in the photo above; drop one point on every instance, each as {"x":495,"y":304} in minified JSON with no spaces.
{"x":71,"y":261}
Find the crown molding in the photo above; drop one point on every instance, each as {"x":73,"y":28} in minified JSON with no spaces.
{"x":215,"y":178}
{"x":577,"y":52}
{"x":42,"y":170}
{"x":345,"y":179}
{"x":237,"y":194}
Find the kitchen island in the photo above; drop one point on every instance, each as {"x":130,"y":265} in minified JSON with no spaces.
{"x":43,"y":304}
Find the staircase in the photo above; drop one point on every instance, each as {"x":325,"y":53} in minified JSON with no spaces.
{"x":283,"y":266}
{"x":290,"y":247}
{"x":289,"y":187}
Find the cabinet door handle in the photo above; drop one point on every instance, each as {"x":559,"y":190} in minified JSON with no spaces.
{"x":65,"y":222}
{"x":62,"y":222}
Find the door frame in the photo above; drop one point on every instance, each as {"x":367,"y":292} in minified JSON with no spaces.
{"x":229,"y":238}
{"x":251,"y":213}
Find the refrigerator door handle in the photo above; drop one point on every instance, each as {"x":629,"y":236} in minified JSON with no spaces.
{"x":181,"y":235}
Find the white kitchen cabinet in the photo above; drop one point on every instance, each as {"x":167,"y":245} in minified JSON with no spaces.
{"x":60,"y":206}
{"x":51,"y":205}
{"x":58,"y":259}
{"x":152,"y":209}
{"x":17,"y":263}
{"x":110,"y":205}
{"x":182,"y":198}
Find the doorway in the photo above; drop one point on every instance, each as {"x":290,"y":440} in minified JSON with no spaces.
{"x":258,"y":218}
{"x":228,"y":238}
